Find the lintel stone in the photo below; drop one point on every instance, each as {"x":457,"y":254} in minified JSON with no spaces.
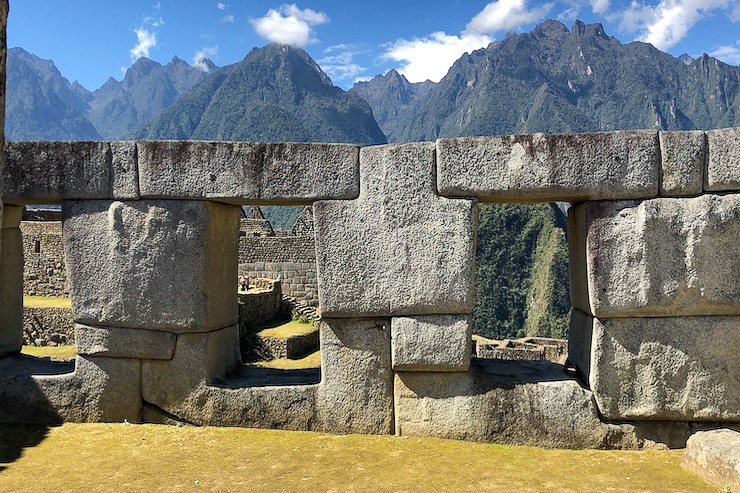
{"x":723,"y":165}
{"x":248,"y":172}
{"x":124,"y":171}
{"x":49,"y":172}
{"x":431,"y":343}
{"x":683,"y":157}
{"x":543,"y":167}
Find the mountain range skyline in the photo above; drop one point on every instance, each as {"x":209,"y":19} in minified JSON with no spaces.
{"x":351,"y":41}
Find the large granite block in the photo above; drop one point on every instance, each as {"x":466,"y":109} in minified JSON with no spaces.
{"x":542,"y":167}
{"x":247,"y":172}
{"x":580,"y":333}
{"x":10,"y":215}
{"x":117,"y":342}
{"x":93,"y":389}
{"x":49,"y":172}
{"x":124,"y":171}
{"x":723,"y":165}
{"x":11,"y":287}
{"x":399,"y":249}
{"x":682,"y":369}
{"x":715,"y":456}
{"x":431,"y":343}
{"x":683,"y":157}
{"x":663,"y":257}
{"x":515,"y":402}
{"x":155,"y":264}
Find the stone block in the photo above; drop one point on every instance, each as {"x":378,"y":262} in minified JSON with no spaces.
{"x":10,"y":216}
{"x":246,"y":172}
{"x":158,"y":264}
{"x":663,"y":257}
{"x":543,"y":167}
{"x":49,"y":172}
{"x":681,"y":369}
{"x":11,"y":289}
{"x":578,"y":271}
{"x":515,"y":402}
{"x":723,"y":164}
{"x":356,"y":391}
{"x":124,"y":171}
{"x":580,"y":333}
{"x":431,"y":343}
{"x":399,"y":249}
{"x":117,"y":342}
{"x":98,"y":390}
{"x":683,"y":157}
{"x":715,"y":456}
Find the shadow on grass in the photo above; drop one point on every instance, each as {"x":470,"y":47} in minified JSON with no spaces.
{"x":14,"y":439}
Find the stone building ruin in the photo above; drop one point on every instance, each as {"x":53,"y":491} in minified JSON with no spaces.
{"x":655,"y":279}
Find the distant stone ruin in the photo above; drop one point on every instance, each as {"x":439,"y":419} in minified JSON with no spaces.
{"x":655,"y":279}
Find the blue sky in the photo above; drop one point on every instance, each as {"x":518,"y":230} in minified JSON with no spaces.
{"x":91,"y":40}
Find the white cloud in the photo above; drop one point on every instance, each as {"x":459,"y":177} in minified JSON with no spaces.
{"x":157,"y":6}
{"x":229,"y":18}
{"x":289,"y":25}
{"x":199,"y":59}
{"x":667,"y":23}
{"x":340,"y":67}
{"x":154,"y":21}
{"x":735,"y":15}
{"x":432,"y":56}
{"x":505,"y":15}
{"x":600,"y":6}
{"x":145,"y":41}
{"x":221,"y":6}
{"x":728,"y":54}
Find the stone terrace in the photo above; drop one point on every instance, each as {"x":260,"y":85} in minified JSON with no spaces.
{"x":150,"y":234}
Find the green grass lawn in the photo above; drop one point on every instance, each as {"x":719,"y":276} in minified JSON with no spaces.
{"x":120,"y":457}
{"x":46,"y":302}
{"x":311,"y":361}
{"x":56,"y":352}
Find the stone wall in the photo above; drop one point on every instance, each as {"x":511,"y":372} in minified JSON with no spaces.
{"x":655,"y":274}
{"x":48,"y":326}
{"x":44,"y":272}
{"x":293,"y":258}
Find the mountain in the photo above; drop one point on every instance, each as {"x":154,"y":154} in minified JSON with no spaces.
{"x":553,"y":79}
{"x":277,"y":93}
{"x":117,"y":108}
{"x":390,"y":96}
{"x":43,"y":105}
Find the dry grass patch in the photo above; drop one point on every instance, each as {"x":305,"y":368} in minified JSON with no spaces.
{"x":54,"y":352}
{"x":117,"y":457}
{"x":288,"y":330}
{"x":311,"y":361}
{"x":46,"y":302}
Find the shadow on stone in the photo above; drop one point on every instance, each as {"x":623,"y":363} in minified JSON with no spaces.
{"x":254,"y":376}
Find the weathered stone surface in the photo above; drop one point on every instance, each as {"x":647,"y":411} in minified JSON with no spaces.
{"x":398,"y":249}
{"x":514,"y":402}
{"x":683,"y":369}
{"x":723,"y":166}
{"x":663,"y":257}
{"x":241,"y":172}
{"x":580,"y":333}
{"x":49,"y":172}
{"x":34,"y":390}
{"x":578,"y":271}
{"x":683,"y":161}
{"x":10,"y":216}
{"x":124,"y":171}
{"x":11,"y":289}
{"x":354,"y":396}
{"x":715,"y":456}
{"x":117,"y":342}
{"x":542,"y":167}
{"x":431,"y":343}
{"x":159,"y":264}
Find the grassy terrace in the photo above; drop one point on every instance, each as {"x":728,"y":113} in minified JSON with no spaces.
{"x":46,"y":302}
{"x":120,"y":457}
